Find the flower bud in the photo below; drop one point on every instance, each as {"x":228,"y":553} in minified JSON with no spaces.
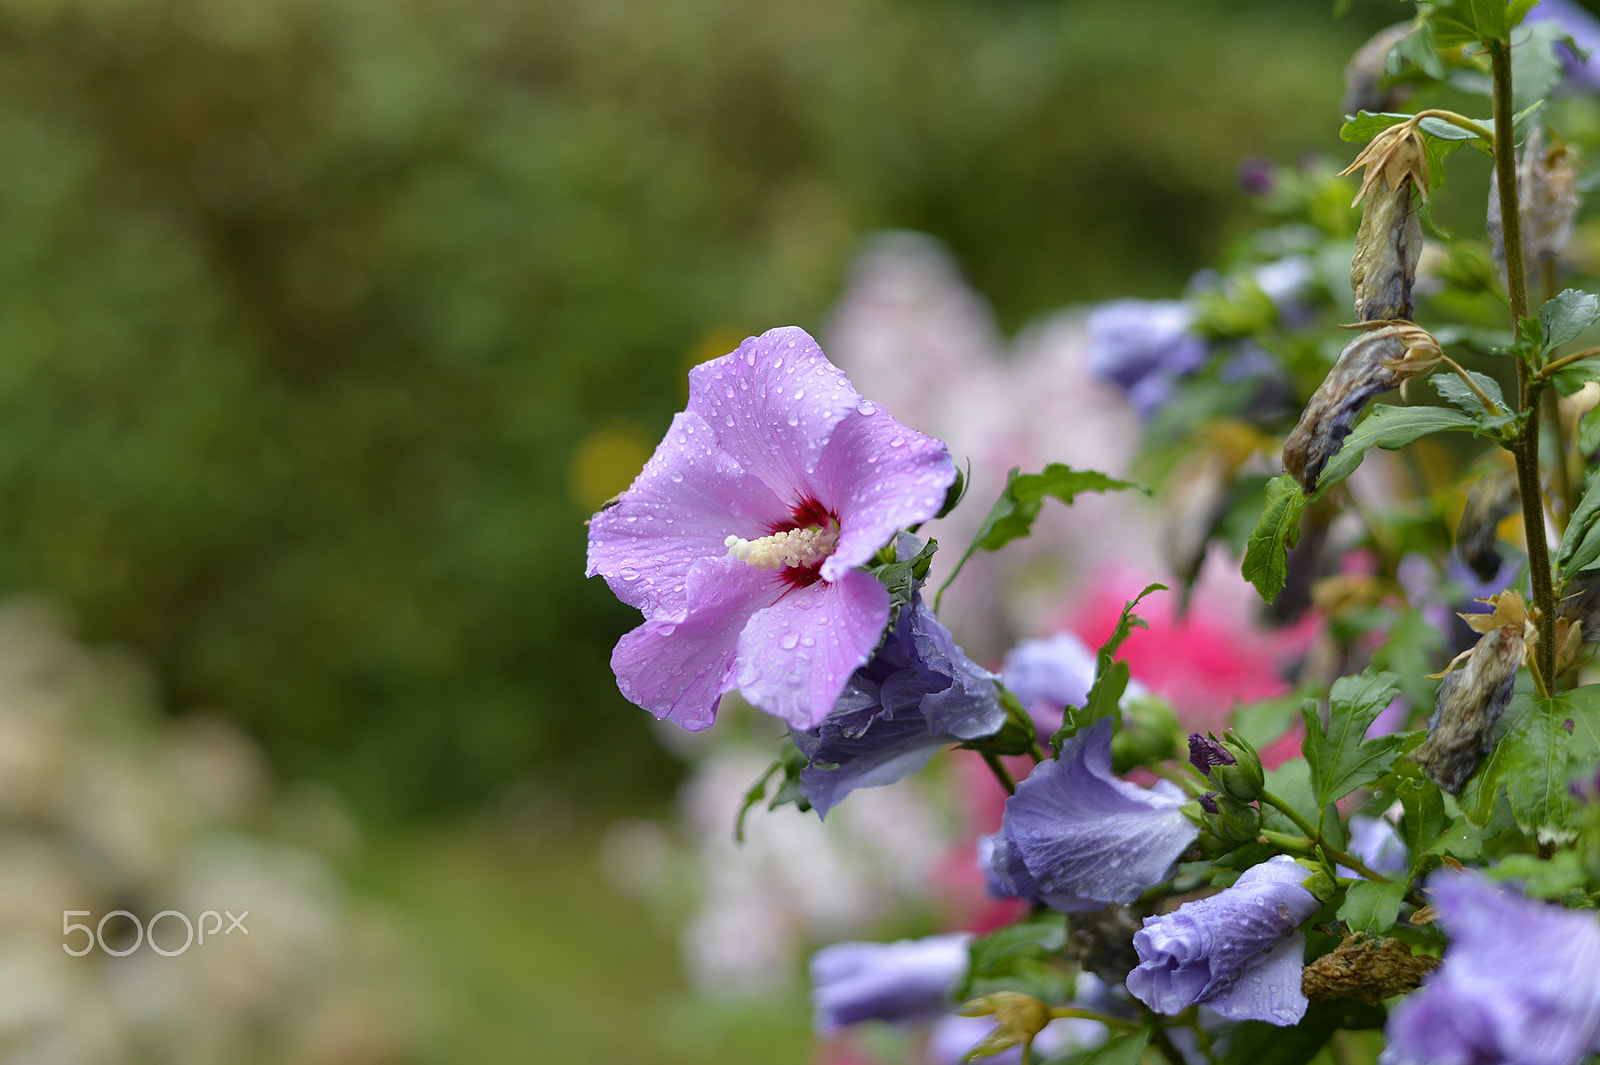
{"x":1020,"y":1018}
{"x":1234,"y":821}
{"x":1244,"y":779}
{"x":1205,"y":753}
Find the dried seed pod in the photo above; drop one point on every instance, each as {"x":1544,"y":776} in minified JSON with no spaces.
{"x":1548,"y":201}
{"x":1491,"y":501}
{"x":1379,"y":359}
{"x":1468,"y":704}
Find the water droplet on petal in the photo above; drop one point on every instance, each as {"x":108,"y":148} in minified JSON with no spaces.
{"x":866,"y":407}
{"x":728,"y":421}
{"x":794,"y":420}
{"x":799,"y":393}
{"x":788,"y":641}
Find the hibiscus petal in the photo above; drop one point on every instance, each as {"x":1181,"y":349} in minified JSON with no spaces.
{"x":796,"y":655}
{"x":878,"y":476}
{"x":679,"y":667}
{"x":773,"y":403}
{"x":1271,"y":992}
{"x":690,"y":496}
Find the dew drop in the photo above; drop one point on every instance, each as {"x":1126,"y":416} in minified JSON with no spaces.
{"x":806,"y":641}
{"x":788,"y":641}
{"x":794,"y":420}
{"x":898,"y":441}
{"x":799,"y":393}
{"x":728,"y":421}
{"x":677,"y":478}
{"x":866,"y":407}
{"x":628,"y":574}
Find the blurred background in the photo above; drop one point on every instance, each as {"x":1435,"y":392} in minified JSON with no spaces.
{"x":324,"y":324}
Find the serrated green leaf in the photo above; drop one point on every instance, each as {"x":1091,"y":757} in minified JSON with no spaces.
{"x":1535,"y":64}
{"x":1565,"y":316}
{"x":1372,"y":907}
{"x":1340,"y":758}
{"x":1454,"y":390}
{"x":1389,"y":427}
{"x":1580,"y":543}
{"x":1266,"y":553}
{"x":1110,"y":676}
{"x":1530,"y":763}
{"x":1020,"y":501}
{"x":1423,"y":820}
{"x":1574,"y":376}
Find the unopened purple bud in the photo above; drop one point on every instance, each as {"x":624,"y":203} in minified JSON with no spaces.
{"x":1208,"y":802}
{"x":1204,"y":753}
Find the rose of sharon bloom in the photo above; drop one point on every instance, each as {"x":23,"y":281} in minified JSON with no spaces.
{"x":740,"y":540}
{"x":1518,"y":984}
{"x":917,"y":694}
{"x":1239,"y":951}
{"x":903,"y":982}
{"x":1075,"y":837}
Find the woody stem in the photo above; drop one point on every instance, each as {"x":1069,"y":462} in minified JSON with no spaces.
{"x":1525,"y":448}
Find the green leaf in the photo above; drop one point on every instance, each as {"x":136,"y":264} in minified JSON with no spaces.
{"x":1534,"y":759}
{"x":1018,"y":954}
{"x":1389,"y":427}
{"x":1565,"y":316}
{"x":1266,"y":553}
{"x":1341,"y":759}
{"x":1580,"y":544}
{"x":1020,"y":501}
{"x":1543,"y":878}
{"x":1411,"y":650}
{"x":1259,"y":1043}
{"x":789,"y":763}
{"x":1423,"y":820}
{"x":1455,"y":390}
{"x":1372,"y":907}
{"x":1365,"y":125}
{"x":1110,"y":676}
{"x":1263,"y":722}
{"x":902,"y":576}
{"x":1535,"y":64}
{"x":1120,"y":1050}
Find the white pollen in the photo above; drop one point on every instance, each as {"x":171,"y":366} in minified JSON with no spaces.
{"x":792,"y":547}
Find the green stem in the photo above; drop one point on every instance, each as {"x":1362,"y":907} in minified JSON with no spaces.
{"x":1525,"y":448}
{"x":1548,"y":370}
{"x":1459,"y":121}
{"x":1090,"y":1015}
{"x":1292,"y":814}
{"x":1000,"y":772}
{"x":1483,"y":397}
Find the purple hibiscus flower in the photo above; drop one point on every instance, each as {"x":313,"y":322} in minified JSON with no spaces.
{"x":904,"y":982}
{"x":1144,"y":346}
{"x":1240,"y":951}
{"x":1518,"y":984}
{"x":740,"y":540}
{"x":1075,"y":837}
{"x":919,"y":693}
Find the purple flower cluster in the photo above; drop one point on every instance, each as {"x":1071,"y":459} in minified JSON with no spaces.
{"x":1075,"y":837}
{"x":917,"y":694}
{"x":1239,"y":951}
{"x":740,"y":541}
{"x":1520,"y":983}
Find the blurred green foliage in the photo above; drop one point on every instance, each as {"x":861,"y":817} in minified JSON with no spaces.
{"x":324,"y":323}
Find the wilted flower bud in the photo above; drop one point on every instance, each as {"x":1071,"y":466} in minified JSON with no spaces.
{"x":1491,"y":501}
{"x":1379,"y":359}
{"x":1547,"y":200}
{"x":1471,"y":700}
{"x":1388,"y":247}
